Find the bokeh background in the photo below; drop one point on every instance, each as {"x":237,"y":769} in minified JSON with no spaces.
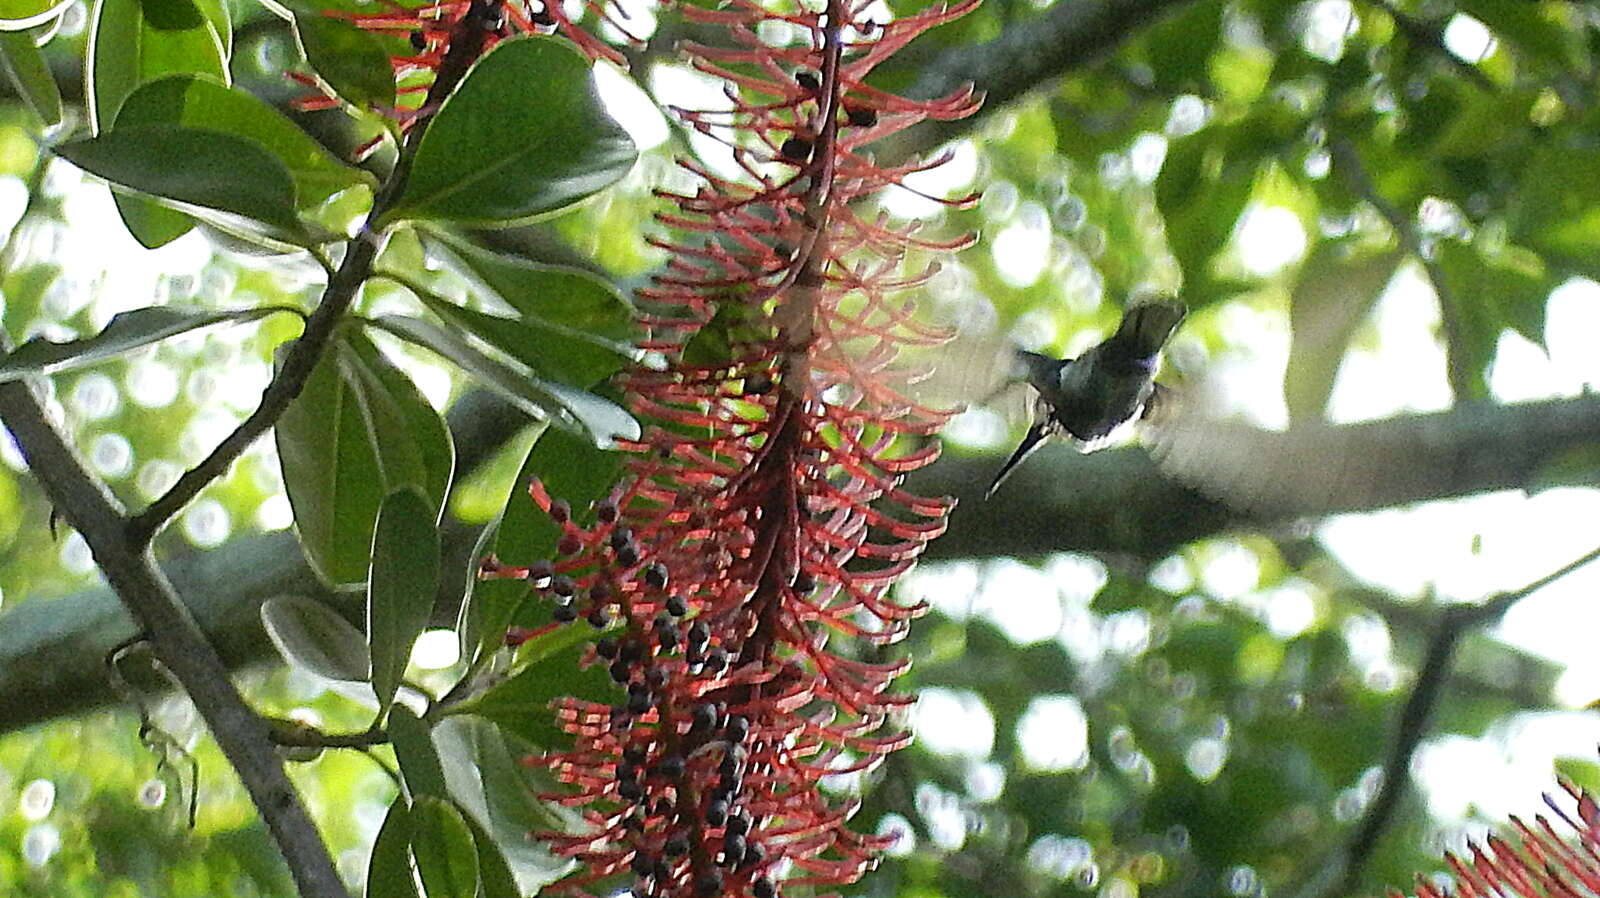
{"x":1373,"y":209}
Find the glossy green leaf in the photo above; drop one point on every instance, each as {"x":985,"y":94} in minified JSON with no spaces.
{"x":389,"y":873}
{"x":401,"y":585}
{"x":198,"y":101}
{"x":495,"y":879}
{"x":19,"y":14}
{"x":351,"y":60}
{"x":571,"y":325}
{"x":314,"y":638}
{"x":600,"y":419}
{"x":357,"y":432}
{"x":414,"y":749}
{"x":496,"y":794}
{"x":443,"y":848}
{"x":499,"y":152}
{"x":126,"y":331}
{"x":549,"y":670}
{"x":220,"y":172}
{"x":25,"y":69}
{"x":135,"y":41}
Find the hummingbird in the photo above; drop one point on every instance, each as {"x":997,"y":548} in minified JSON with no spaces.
{"x":1088,"y":397}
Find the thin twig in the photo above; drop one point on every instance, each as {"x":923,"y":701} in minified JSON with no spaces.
{"x":1348,"y":162}
{"x":302,"y":356}
{"x":1341,"y":875}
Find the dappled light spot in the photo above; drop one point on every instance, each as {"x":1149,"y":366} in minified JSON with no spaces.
{"x":1021,"y":601}
{"x":112,"y":455}
{"x":436,"y":650}
{"x":953,"y":722}
{"x":151,"y":384}
{"x":37,"y":799}
{"x":1269,"y":238}
{"x":1469,"y":39}
{"x":40,"y":843}
{"x":1054,"y":734}
{"x":207,"y":523}
{"x":905,"y":836}
{"x":95,"y":396}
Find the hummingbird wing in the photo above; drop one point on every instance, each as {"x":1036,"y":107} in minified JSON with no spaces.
{"x":1032,"y":441}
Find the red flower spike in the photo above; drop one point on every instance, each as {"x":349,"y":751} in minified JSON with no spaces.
{"x":447,"y":37}
{"x":1532,"y":860}
{"x":762,"y":514}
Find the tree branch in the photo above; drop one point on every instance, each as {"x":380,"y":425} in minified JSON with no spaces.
{"x":178,"y":641}
{"x":1341,"y":874}
{"x":1029,"y":53}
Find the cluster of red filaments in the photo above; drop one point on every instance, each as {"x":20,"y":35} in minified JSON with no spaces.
{"x":457,"y":33}
{"x":762,"y":515}
{"x":1538,"y":862}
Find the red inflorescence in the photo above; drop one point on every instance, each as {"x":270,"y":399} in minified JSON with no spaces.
{"x":1540,"y":862}
{"x":457,"y":32}
{"x":762,"y":513}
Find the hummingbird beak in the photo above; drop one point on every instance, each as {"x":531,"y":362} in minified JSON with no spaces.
{"x":1032,"y":441}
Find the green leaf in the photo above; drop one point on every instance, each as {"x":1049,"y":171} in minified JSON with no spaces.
{"x":314,"y":638}
{"x":498,"y":795}
{"x":357,"y":432}
{"x":126,"y":331}
{"x":198,"y":101}
{"x":389,"y":871}
{"x":499,"y":153}
{"x":443,"y":848}
{"x":494,"y":874}
{"x":351,"y":61}
{"x":26,"y":70}
{"x":549,"y":670}
{"x":414,"y":750}
{"x":401,"y":586}
{"x":135,"y":41}
{"x":600,"y":419}
{"x":219,"y":172}
{"x":571,"y":325}
{"x":1335,"y":289}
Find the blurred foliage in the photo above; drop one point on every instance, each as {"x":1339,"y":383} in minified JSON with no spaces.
{"x":1203,"y":749}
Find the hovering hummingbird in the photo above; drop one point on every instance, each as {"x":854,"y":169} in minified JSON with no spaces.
{"x":1088,"y":397}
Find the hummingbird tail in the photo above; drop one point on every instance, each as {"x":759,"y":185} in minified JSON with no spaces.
{"x":1032,"y":441}
{"x":1146,"y":327}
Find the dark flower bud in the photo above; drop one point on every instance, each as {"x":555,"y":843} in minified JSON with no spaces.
{"x":671,"y":767}
{"x":861,"y":116}
{"x":633,"y":822}
{"x":738,"y":728}
{"x":564,"y":614}
{"x":733,"y":849}
{"x":628,"y":555}
{"x":630,"y":651}
{"x":598,"y":618}
{"x":602,"y":592}
{"x":569,"y":545}
{"x":796,"y":149}
{"x":676,"y":606}
{"x":540,"y":570}
{"x":633,"y":755}
{"x":642,"y":864}
{"x":807,"y":80}
{"x":668,"y":637}
{"x":626,"y":771}
{"x":655,"y":576}
{"x":705,"y":717}
{"x":708,"y":885}
{"x":620,"y":537}
{"x":656,"y":676}
{"x":662,"y":807}
{"x":677,"y":846}
{"x":717,"y":813}
{"x":804,"y":582}
{"x":639,"y":702}
{"x":699,"y":634}
{"x":716,"y":659}
{"x":606,"y":648}
{"x":630,"y":790}
{"x":729,"y":766}
{"x":739,"y":823}
{"x":563,"y":586}
{"x":419,"y":41}
{"x":560,"y":511}
{"x":606,"y":511}
{"x":763,"y":887}
{"x":621,"y":671}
